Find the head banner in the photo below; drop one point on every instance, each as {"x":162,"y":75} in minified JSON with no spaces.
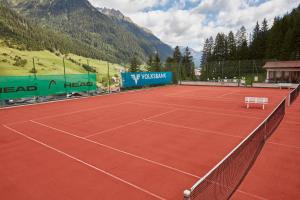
{"x":13,"y":87}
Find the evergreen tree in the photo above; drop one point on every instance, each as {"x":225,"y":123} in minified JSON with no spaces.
{"x":220,"y":47}
{"x":134,"y":64}
{"x":242,"y":44}
{"x":205,"y":52}
{"x":177,"y":55}
{"x":155,"y":65}
{"x":177,"y":62}
{"x":264,"y":37}
{"x":264,"y":27}
{"x":169,"y":64}
{"x":157,"y":62}
{"x":150,"y":62}
{"x":287,"y":46}
{"x":188,"y":69}
{"x":231,"y":46}
{"x":256,"y":42}
{"x":274,"y":40}
{"x":210,"y":49}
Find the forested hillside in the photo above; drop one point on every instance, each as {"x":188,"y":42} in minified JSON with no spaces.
{"x":145,"y":36}
{"x":81,"y":21}
{"x":20,"y":33}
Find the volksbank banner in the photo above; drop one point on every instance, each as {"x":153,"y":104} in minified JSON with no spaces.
{"x":12,"y":87}
{"x":146,"y":78}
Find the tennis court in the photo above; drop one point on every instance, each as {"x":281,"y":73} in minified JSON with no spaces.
{"x":147,"y":144}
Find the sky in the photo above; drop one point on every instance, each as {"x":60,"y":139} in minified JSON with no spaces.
{"x":190,"y":22}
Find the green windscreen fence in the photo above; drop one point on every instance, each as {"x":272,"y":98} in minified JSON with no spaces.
{"x":13,"y":87}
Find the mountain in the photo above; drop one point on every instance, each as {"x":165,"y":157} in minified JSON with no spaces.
{"x":81,"y":21}
{"x":196,"y":55}
{"x":23,"y":34}
{"x":145,"y":36}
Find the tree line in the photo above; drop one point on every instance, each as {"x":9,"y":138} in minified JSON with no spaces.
{"x":23,"y":34}
{"x":181,"y":64}
{"x":281,"y":41}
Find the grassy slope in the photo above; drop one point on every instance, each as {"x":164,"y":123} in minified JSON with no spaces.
{"x":49,"y":63}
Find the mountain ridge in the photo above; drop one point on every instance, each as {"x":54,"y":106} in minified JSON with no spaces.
{"x":81,"y":21}
{"x":138,"y":31}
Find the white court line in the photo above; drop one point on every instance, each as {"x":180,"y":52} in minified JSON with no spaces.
{"x":118,"y":150}
{"x":200,"y":111}
{"x":73,"y":112}
{"x":192,"y":107}
{"x":99,"y":96}
{"x":284,"y":145}
{"x":83,"y":110}
{"x":107,"y":173}
{"x":145,"y":159}
{"x":226,"y":94}
{"x":86,"y":164}
{"x":112,"y":129}
{"x":204,"y":98}
{"x":128,"y":124}
{"x":195,"y":129}
{"x":251,"y":195}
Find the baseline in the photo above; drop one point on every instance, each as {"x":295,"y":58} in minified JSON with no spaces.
{"x":86,"y":164}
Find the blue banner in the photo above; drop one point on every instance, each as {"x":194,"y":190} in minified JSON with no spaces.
{"x":139,"y":79}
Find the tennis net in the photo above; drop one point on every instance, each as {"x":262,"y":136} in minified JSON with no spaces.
{"x":294,"y":94}
{"x":222,"y":181}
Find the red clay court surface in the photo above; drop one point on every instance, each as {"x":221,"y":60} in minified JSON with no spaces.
{"x":149,"y":144}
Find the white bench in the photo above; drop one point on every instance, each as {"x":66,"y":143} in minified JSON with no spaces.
{"x":256,"y":100}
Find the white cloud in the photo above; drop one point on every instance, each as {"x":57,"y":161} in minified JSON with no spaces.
{"x":128,"y":6}
{"x":177,"y":25}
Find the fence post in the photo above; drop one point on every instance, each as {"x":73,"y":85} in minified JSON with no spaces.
{"x":65,"y":78}
{"x":108,"y":76}
{"x":35,"y":78}
{"x":88,"y":63}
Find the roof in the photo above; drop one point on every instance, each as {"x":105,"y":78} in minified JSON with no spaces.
{"x":282,"y":64}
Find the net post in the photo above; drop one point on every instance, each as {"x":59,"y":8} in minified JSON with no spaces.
{"x":186,"y":195}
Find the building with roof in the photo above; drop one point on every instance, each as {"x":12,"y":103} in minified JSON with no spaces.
{"x":283,"y":71}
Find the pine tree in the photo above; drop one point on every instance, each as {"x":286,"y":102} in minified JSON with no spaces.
{"x":210,"y":49}
{"x":177,"y":62}
{"x":242,"y":44}
{"x":256,"y":42}
{"x":150,"y":62}
{"x":205,"y":52}
{"x":156,"y":65}
{"x":287,"y":46}
{"x":231,"y":46}
{"x":188,"y":69}
{"x":220,"y":47}
{"x":134,"y":64}
{"x":264,"y":27}
{"x":177,"y":55}
{"x":169,"y":64}
{"x":264,"y":37}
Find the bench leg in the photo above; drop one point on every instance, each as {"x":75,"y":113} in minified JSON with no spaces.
{"x":247,"y":105}
{"x":263,"y":106}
